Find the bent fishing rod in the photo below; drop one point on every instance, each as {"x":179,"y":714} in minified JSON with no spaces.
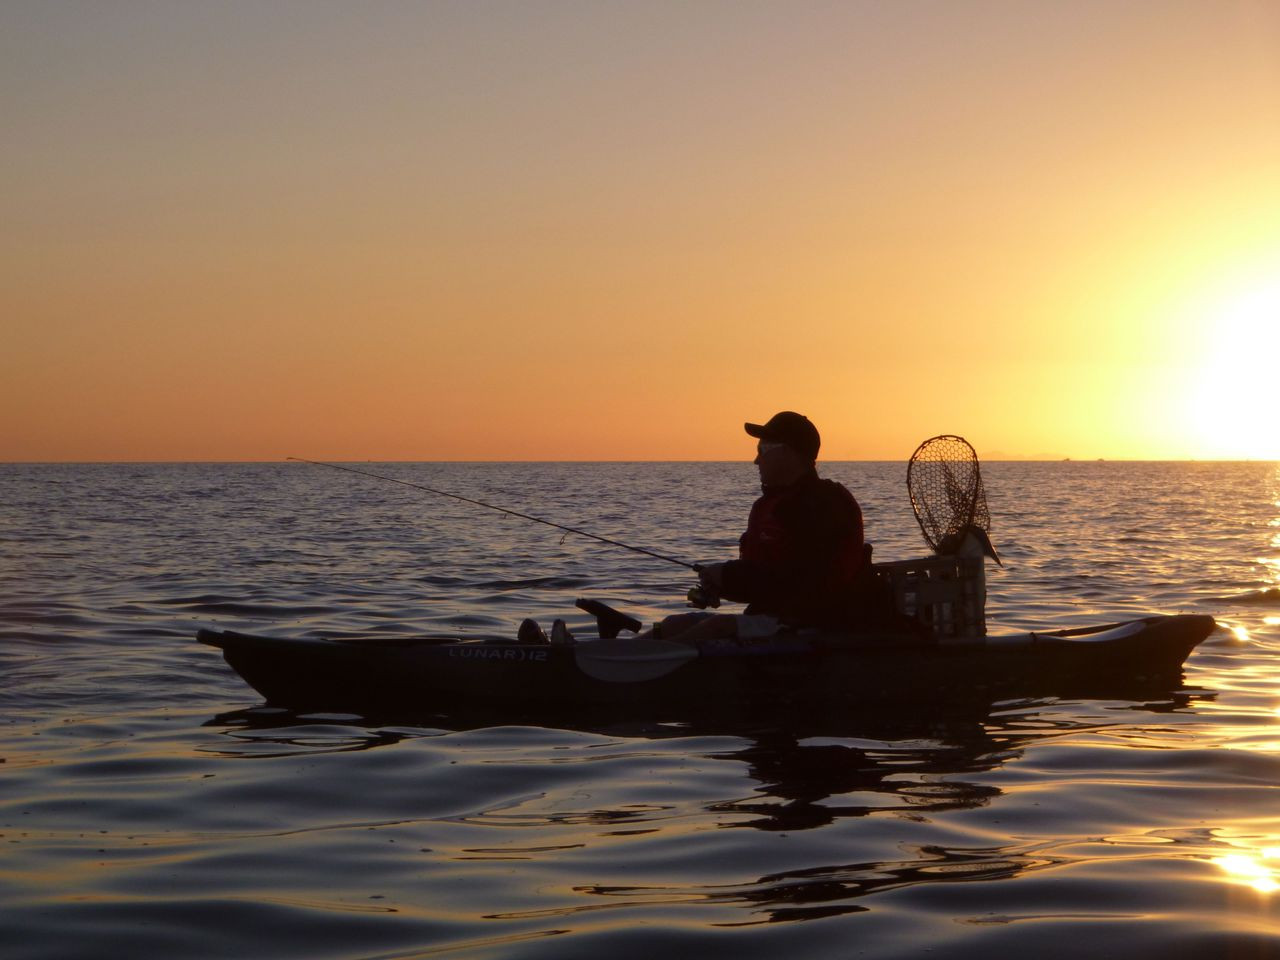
{"x":514,"y":513}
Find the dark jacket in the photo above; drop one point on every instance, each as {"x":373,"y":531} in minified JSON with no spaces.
{"x":801,"y":556}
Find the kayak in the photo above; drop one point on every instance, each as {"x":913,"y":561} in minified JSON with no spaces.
{"x":379,"y":676}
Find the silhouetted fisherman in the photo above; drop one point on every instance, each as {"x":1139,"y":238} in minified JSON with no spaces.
{"x":802,"y":558}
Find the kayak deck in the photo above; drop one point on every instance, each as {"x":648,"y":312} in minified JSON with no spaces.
{"x":381,"y":675}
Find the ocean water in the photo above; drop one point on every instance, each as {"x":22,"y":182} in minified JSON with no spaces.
{"x":150,"y":806}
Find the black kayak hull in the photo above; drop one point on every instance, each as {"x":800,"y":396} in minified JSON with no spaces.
{"x":425,"y":676}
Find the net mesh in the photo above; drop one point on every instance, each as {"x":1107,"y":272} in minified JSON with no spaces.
{"x":945,"y":486}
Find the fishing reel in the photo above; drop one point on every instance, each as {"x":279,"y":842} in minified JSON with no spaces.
{"x":700,"y":597}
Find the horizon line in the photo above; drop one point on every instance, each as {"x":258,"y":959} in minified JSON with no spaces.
{"x":104,"y":462}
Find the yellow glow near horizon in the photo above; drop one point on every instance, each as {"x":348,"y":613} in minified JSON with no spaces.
{"x":1235,"y":396}
{"x":575,"y":231}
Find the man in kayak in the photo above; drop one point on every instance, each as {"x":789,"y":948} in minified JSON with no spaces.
{"x":802,"y":559}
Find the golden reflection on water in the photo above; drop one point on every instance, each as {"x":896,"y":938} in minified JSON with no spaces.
{"x":1275,"y":522}
{"x":1258,"y":869}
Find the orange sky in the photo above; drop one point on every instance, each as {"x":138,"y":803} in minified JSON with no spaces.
{"x":617,"y":230}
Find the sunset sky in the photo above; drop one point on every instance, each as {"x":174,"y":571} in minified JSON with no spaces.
{"x":617,"y":230}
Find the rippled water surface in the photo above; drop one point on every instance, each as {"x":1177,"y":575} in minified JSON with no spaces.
{"x":151,"y":807}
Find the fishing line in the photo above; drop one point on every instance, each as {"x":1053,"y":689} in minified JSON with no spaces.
{"x":514,"y":513}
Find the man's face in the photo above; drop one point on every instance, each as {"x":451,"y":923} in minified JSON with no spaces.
{"x":778,"y":463}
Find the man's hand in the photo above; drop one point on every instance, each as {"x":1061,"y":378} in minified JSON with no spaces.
{"x":712,"y":577}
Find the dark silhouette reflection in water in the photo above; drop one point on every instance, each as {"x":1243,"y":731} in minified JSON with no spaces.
{"x":268,"y":733}
{"x":797,"y":778}
{"x":828,"y":891}
{"x":807,"y":772}
{"x":917,"y":769}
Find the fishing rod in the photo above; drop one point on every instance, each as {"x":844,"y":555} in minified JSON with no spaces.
{"x":514,"y":513}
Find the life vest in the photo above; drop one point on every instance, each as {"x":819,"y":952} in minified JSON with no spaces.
{"x":791,"y":528}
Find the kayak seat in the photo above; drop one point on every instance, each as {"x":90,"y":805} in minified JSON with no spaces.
{"x":609,"y":622}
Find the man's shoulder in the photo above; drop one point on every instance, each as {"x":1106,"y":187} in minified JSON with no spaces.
{"x":819,"y":499}
{"x":835,"y":492}
{"x":832,"y":486}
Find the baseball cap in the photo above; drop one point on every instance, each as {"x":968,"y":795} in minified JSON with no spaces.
{"x":793,"y":429}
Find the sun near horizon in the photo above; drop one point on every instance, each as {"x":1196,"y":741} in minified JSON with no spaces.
{"x":567,"y":231}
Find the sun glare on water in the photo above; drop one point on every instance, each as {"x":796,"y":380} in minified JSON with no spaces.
{"x":1233,"y":398}
{"x":1255,"y":869}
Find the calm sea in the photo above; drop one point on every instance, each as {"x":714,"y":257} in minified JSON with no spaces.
{"x":151,"y":807}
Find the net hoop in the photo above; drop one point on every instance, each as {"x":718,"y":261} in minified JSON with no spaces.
{"x":944,"y":482}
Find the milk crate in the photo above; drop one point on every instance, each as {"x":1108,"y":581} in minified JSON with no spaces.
{"x":947,"y":594}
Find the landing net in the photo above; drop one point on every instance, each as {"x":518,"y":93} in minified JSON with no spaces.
{"x":945,"y":485}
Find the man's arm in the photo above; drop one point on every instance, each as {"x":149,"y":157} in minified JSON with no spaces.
{"x":817,"y":532}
